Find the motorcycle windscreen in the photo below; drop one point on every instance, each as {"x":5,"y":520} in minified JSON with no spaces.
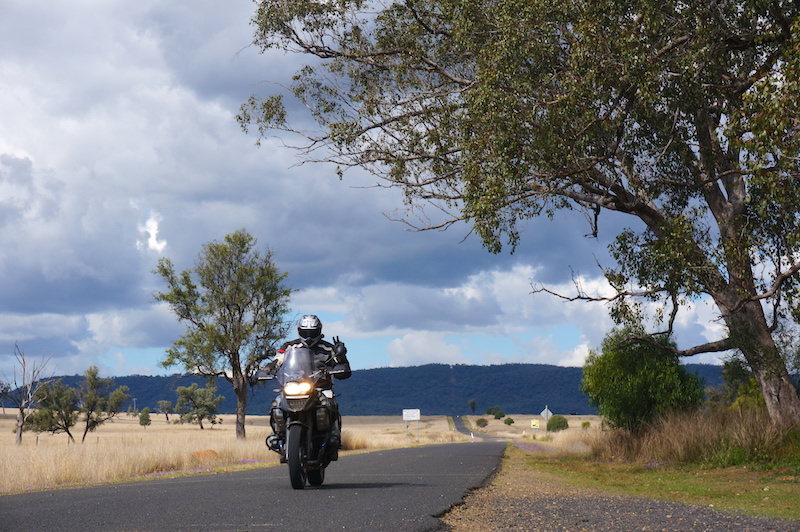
{"x":298,"y":363}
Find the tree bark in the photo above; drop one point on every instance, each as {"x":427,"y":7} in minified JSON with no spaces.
{"x":240,"y":390}
{"x":20,"y":423}
{"x":750,"y":333}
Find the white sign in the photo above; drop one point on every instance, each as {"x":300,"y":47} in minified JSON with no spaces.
{"x":411,"y":415}
{"x":546,"y":413}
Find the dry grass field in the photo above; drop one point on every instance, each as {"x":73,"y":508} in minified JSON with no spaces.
{"x":121,"y":450}
{"x":521,"y":428}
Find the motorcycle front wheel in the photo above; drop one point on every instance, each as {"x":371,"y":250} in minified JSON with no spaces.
{"x":316,"y":477}
{"x":295,"y":455}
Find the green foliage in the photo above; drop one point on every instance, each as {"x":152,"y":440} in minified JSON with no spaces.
{"x":496,"y":412}
{"x":633,"y":381}
{"x":144,"y":417}
{"x":194,"y":404}
{"x":99,"y":402}
{"x":481,"y":422}
{"x":59,"y":406}
{"x":681,"y":115}
{"x":508,"y":421}
{"x":739,"y":388}
{"x":557,"y":423}
{"x":586,"y":424}
{"x":233,"y":304}
{"x":749,"y":396}
{"x":57,"y":409}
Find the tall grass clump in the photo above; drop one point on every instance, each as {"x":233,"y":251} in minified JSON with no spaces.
{"x":712,"y":436}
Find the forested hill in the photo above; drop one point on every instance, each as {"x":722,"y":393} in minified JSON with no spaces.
{"x":434,"y":389}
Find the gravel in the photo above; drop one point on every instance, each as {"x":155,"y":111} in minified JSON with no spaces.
{"x":523,"y":499}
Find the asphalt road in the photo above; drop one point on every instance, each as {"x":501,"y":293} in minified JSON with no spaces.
{"x":399,"y":490}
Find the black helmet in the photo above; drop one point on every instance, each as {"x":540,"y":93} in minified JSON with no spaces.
{"x":309,"y":327}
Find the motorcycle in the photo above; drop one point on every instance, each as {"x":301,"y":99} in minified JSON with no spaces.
{"x":302,"y":417}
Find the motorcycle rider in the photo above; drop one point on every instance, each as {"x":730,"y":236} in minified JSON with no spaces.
{"x":332,"y":356}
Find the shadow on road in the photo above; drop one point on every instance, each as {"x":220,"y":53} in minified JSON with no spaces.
{"x":363,"y":485}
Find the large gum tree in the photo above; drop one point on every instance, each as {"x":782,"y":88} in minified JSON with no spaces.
{"x":681,"y":114}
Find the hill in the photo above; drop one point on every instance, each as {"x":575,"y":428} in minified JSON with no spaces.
{"x":434,"y":389}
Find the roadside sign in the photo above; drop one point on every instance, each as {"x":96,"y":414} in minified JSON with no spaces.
{"x":535,"y":424}
{"x":411,"y":414}
{"x":546,"y":413}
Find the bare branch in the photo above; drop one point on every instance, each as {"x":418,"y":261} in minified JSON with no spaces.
{"x":26,"y":381}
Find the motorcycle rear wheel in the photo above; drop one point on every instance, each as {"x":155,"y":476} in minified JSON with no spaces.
{"x":295,"y":455}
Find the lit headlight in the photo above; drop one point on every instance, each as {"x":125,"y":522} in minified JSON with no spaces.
{"x":297,"y":388}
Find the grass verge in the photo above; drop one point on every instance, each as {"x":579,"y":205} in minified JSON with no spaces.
{"x":743,"y":489}
{"x":735,"y":461}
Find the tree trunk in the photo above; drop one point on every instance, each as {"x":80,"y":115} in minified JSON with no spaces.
{"x":240,"y":390}
{"x":20,"y":423}
{"x":750,"y":333}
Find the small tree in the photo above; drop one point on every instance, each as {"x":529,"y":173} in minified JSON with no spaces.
{"x":233,"y":303}
{"x":164,"y":407}
{"x":144,"y":417}
{"x":57,"y":409}
{"x":508,"y":421}
{"x":473,"y":404}
{"x":22,"y":387}
{"x":748,"y":396}
{"x":197,"y":404}
{"x":481,"y":422}
{"x":557,"y":423}
{"x":633,"y":381}
{"x":98,"y":402}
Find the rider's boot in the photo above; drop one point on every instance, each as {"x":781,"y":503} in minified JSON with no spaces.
{"x":335,"y":440}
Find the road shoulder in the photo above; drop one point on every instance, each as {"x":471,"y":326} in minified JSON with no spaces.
{"x":521,"y":498}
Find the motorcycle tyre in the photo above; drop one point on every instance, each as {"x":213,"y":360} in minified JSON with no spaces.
{"x":295,"y":453}
{"x":316,"y":477}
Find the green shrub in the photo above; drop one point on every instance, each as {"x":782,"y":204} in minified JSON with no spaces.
{"x":496,"y":412}
{"x":634,"y":382}
{"x":557,"y":423}
{"x":508,"y":421}
{"x":144,"y":417}
{"x":586,"y":424}
{"x":481,"y":422}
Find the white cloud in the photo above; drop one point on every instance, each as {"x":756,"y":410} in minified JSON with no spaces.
{"x":423,"y":347}
{"x":150,"y":228}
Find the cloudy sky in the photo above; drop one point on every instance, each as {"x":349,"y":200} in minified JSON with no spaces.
{"x":118,"y":145}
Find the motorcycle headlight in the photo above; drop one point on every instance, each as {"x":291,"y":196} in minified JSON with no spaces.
{"x":297,"y":388}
